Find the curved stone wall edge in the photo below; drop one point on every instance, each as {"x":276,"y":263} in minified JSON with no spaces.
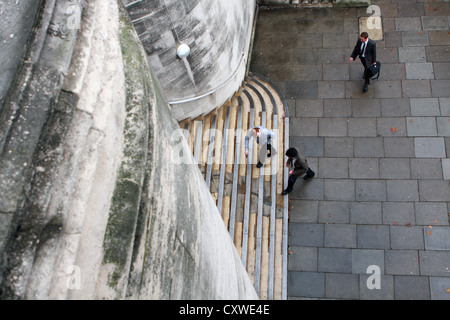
{"x":95,"y":204}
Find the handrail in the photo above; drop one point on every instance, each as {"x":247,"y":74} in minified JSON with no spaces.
{"x":213,"y":90}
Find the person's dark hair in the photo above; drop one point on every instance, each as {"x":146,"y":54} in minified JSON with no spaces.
{"x":291,"y":152}
{"x":365,"y":35}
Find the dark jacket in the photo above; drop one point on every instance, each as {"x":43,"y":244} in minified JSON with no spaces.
{"x":371,"y":51}
{"x":299,"y":167}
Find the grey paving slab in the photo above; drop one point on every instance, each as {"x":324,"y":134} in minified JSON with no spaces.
{"x":402,"y":262}
{"x":373,"y":236}
{"x":303,"y":258}
{"x":437,"y":237}
{"x":441,"y":70}
{"x":444,"y":104}
{"x":407,"y":237}
{"x":306,"y":235}
{"x":426,"y":169}
{"x":301,"y":89}
{"x":434,"y":263}
{"x":397,"y":107}
{"x":446,"y":168}
{"x":415,"y":39}
{"x":331,"y":89}
{"x":408,"y":24}
{"x":365,"y":108}
{"x":392,"y":39}
{"x":398,"y":213}
{"x":304,"y":127}
{"x":393,"y":71}
{"x":389,"y":55}
{"x":370,"y":190}
{"x":428,"y":107}
{"x":399,"y":147}
{"x":429,"y":147}
{"x":306,"y":284}
{"x":439,"y":37}
{"x":395,"y":168}
{"x":330,"y":55}
{"x":434,"y":190}
{"x":447,"y":145}
{"x":443,"y":126}
{"x":335,"y":282}
{"x":333,"y":168}
{"x":337,"y":108}
{"x":421,"y":126}
{"x":339,"y":189}
{"x":402,"y":190}
{"x":362,"y":127}
{"x":333,"y":127}
{"x":440,"y":88}
{"x":365,"y":213}
{"x":386,"y":291}
{"x":437,"y":54}
{"x":435,"y":23}
{"x":411,"y":288}
{"x":338,"y":147}
{"x":336,"y":72}
{"x":307,"y":108}
{"x":305,"y":211}
{"x":335,"y":260}
{"x":439,"y":288}
{"x":368,"y":147}
{"x":308,"y":190}
{"x":362,"y":259}
{"x":340,"y":236}
{"x":429,"y":213}
{"x":412,"y":54}
{"x":416,"y":88}
{"x":364,"y":168}
{"x":387,"y":89}
{"x":408,"y":9}
{"x":419,"y":71}
{"x":308,"y":146}
{"x":334,"y":212}
{"x":353,"y":89}
{"x":308,"y":72}
{"x":391,"y":127}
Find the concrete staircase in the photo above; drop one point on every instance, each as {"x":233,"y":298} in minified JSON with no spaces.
{"x":249,"y":199}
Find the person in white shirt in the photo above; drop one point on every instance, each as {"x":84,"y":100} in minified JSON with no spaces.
{"x":264,"y":138}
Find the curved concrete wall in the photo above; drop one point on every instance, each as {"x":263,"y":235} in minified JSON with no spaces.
{"x":219,"y":35}
{"x":93,"y":202}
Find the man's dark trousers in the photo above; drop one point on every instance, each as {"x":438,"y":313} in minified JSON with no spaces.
{"x":366,"y":70}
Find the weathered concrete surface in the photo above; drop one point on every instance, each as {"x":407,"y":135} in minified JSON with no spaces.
{"x":16,"y":21}
{"x":93,"y":204}
{"x":219,"y":35}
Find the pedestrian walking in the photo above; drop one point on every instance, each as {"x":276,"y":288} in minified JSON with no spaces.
{"x":264,"y":138}
{"x":366,"y":49}
{"x":298,"y":166}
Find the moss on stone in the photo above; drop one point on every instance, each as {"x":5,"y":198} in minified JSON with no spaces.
{"x":125,"y":206}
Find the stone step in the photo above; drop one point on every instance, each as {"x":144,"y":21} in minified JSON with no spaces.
{"x":248,"y":198}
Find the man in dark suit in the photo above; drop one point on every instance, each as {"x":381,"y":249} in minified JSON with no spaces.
{"x":366,"y":49}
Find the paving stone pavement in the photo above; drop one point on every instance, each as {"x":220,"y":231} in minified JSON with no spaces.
{"x":380,"y":201}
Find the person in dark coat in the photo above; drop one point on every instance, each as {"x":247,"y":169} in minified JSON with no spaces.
{"x":298,"y":166}
{"x":366,"y":49}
